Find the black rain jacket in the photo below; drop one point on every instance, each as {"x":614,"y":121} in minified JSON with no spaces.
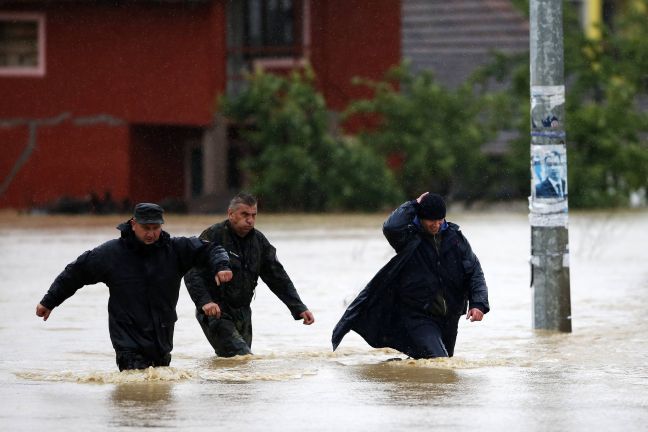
{"x":144,"y":283}
{"x":374,"y":314}
{"x":250,"y":257}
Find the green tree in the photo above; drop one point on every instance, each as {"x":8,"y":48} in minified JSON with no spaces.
{"x":295,"y":163}
{"x":433,"y":133}
{"x":607,"y":121}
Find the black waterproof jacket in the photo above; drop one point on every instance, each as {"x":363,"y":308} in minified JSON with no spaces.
{"x":144,"y":283}
{"x":375,"y":315}
{"x":250,"y":257}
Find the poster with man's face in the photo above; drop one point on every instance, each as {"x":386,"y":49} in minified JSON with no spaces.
{"x":549,"y":172}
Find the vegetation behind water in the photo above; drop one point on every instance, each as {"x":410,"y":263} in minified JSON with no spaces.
{"x":413,"y":134}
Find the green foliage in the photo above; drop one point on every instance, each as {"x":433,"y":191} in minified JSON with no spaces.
{"x":434,"y":133}
{"x":294,"y":162}
{"x":606,"y":128}
{"x":434,"y":137}
{"x":607,"y":148}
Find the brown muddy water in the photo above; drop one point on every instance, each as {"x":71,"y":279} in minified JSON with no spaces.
{"x":61,"y":375}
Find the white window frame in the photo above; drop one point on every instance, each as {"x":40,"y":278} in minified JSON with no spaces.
{"x":35,"y":71}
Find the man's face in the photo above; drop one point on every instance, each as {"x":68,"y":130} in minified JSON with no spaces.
{"x":146,"y":233}
{"x":553,"y":167}
{"x":242,"y":219}
{"x":432,"y":226}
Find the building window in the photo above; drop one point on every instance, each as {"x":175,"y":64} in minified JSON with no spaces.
{"x":271,"y":28}
{"x":273,"y":35}
{"x":22,"y":44}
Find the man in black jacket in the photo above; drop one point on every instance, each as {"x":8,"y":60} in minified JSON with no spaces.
{"x":143,"y":270}
{"x":414,"y":302}
{"x":224,"y":312}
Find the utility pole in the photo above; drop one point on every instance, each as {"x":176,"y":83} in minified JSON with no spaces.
{"x":548,"y":206}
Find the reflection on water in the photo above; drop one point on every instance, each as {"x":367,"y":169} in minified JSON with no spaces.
{"x":142,"y":405}
{"x":406,"y":373}
{"x":411,"y":385}
{"x":123,"y":395}
{"x":62,"y":373}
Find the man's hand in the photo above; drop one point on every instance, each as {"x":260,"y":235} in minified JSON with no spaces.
{"x":212,"y":309}
{"x":418,"y":200}
{"x":42,"y":311}
{"x":475,"y":314}
{"x":223,"y":276}
{"x":308,"y":317}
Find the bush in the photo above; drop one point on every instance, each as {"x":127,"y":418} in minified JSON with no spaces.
{"x":295,"y":163}
{"x":360,"y":179}
{"x":433,"y":134}
{"x":606,"y":125}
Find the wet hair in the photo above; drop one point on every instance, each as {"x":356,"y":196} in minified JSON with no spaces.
{"x":242,"y":198}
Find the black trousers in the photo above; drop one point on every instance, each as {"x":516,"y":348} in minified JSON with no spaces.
{"x":430,"y":337}
{"x":128,"y":360}
{"x":231,"y":334}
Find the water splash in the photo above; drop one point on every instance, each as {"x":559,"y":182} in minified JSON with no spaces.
{"x":159,"y":374}
{"x":231,"y":375}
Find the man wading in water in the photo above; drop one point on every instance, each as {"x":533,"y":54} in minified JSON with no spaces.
{"x":224,"y":312}
{"x":414,"y":302}
{"x":143,"y":269}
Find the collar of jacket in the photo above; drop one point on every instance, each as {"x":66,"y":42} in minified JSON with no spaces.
{"x":450,"y":236}
{"x":228,"y":227}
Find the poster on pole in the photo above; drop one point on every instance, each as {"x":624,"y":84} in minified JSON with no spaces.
{"x":547,"y":114}
{"x":549,"y":189}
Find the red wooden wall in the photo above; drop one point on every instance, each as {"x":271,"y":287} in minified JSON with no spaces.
{"x":110,"y":67}
{"x":119,"y":73}
{"x":353,"y":38}
{"x":145,"y":62}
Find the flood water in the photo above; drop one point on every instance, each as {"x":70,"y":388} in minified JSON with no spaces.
{"x":61,"y":374}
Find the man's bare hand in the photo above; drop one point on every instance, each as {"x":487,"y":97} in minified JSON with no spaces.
{"x":475,"y":314}
{"x":223,"y":276}
{"x":212,"y":309}
{"x":308,"y":317}
{"x":42,"y":311}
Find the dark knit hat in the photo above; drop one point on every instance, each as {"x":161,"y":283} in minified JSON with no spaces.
{"x":432,"y":207}
{"x":148,"y":213}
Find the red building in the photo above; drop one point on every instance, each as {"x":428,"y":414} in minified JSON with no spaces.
{"x":120,"y":96}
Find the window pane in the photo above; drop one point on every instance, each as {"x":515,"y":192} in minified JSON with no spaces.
{"x":279,"y":23}
{"x":18,"y":43}
{"x":254,"y":29}
{"x":288,"y":13}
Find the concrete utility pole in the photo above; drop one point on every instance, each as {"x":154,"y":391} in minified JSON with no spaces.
{"x":548,"y":201}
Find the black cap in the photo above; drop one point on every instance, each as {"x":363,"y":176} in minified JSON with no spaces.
{"x":148,"y":213}
{"x":432,"y":207}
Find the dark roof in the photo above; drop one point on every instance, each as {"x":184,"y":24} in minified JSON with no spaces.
{"x":453,"y":38}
